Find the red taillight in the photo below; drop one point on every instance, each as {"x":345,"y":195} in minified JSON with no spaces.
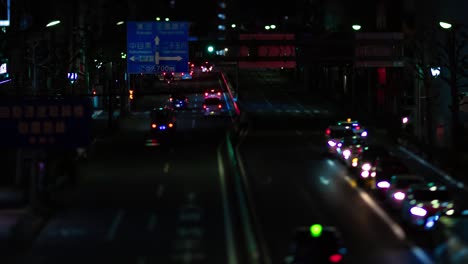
{"x":335,"y":258}
{"x":153,"y":125}
{"x":170,"y":99}
{"x":172,"y":73}
{"x":164,"y":73}
{"x":328,"y":131}
{"x":359,"y":150}
{"x":204,"y":106}
{"x":219,"y":93}
{"x":170,"y":125}
{"x":191,"y":73}
{"x":206,"y":94}
{"x":219,"y":106}
{"x":358,"y":127}
{"x":182,"y":74}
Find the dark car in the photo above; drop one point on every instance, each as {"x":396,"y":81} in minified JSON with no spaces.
{"x":178,"y":101}
{"x":316,"y":244}
{"x":168,"y":77}
{"x":163,"y":121}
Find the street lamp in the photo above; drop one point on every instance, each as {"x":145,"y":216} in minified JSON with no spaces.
{"x":453,"y":60}
{"x":34,"y":62}
{"x":120,"y":23}
{"x":53,"y":23}
{"x":356,"y":27}
{"x":445,"y":25}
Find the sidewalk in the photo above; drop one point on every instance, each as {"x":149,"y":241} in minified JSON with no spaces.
{"x":443,"y":161}
{"x":19,"y":224}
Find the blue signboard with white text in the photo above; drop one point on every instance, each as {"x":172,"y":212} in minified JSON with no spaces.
{"x":42,"y":123}
{"x":155,"y":47}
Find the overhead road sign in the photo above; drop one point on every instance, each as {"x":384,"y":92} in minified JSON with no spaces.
{"x":42,"y":123}
{"x":156,"y":47}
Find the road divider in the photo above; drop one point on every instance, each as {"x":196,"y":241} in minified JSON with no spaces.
{"x":258,"y":252}
{"x":227,"y":212}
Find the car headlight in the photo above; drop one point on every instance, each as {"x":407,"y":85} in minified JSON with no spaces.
{"x":366,"y":166}
{"x":347,"y":152}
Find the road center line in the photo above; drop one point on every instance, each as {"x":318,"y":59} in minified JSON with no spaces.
{"x":152,"y":222}
{"x":230,"y":246}
{"x":166,"y":167}
{"x":115,"y":225}
{"x":244,"y":211}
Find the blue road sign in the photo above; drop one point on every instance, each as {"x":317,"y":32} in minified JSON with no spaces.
{"x":155,"y":47}
{"x":41,"y":123}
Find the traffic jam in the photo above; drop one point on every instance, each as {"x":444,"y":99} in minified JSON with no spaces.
{"x":420,"y":203}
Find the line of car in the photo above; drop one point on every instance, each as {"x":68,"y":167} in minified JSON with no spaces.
{"x":164,"y":119}
{"x":419,"y":201}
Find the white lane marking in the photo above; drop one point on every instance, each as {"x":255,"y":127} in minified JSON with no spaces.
{"x":141,"y":260}
{"x":166,"y":167}
{"x":230,"y":245}
{"x":397,"y":230}
{"x":421,"y":255}
{"x":160,"y":191}
{"x":191,"y":197}
{"x":152,"y":222}
{"x":266,"y":254}
{"x":115,"y":225}
{"x":193,"y":123}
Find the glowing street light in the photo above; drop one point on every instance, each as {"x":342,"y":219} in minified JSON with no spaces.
{"x":120,"y":23}
{"x":267,"y":27}
{"x":272,"y":26}
{"x":445,"y":25}
{"x":158,"y":18}
{"x":53,"y":23}
{"x":166,"y":19}
{"x":233,"y":25}
{"x":356,"y":27}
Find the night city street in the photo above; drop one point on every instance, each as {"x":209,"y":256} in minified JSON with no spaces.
{"x":233,"y":132}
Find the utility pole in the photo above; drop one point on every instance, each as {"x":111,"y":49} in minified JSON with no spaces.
{"x":454,"y":107}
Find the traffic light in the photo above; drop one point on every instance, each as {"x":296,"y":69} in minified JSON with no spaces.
{"x":316,"y":230}
{"x":94,"y":92}
{"x":130,"y":94}
{"x":210,"y":49}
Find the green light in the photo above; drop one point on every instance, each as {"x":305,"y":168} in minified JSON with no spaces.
{"x":316,"y":230}
{"x":339,"y":123}
{"x":210,"y":49}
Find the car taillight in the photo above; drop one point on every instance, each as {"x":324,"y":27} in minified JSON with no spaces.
{"x":219,"y":106}
{"x":335,"y":258}
{"x":182,"y":74}
{"x":153,"y":125}
{"x":170,"y":99}
{"x":219,"y":93}
{"x":164,"y":73}
{"x":359,"y":150}
{"x":357,"y":128}
{"x":170,"y":125}
{"x":328,"y":131}
{"x":206,"y":94}
{"x":204,"y":106}
{"x":172,"y":73}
